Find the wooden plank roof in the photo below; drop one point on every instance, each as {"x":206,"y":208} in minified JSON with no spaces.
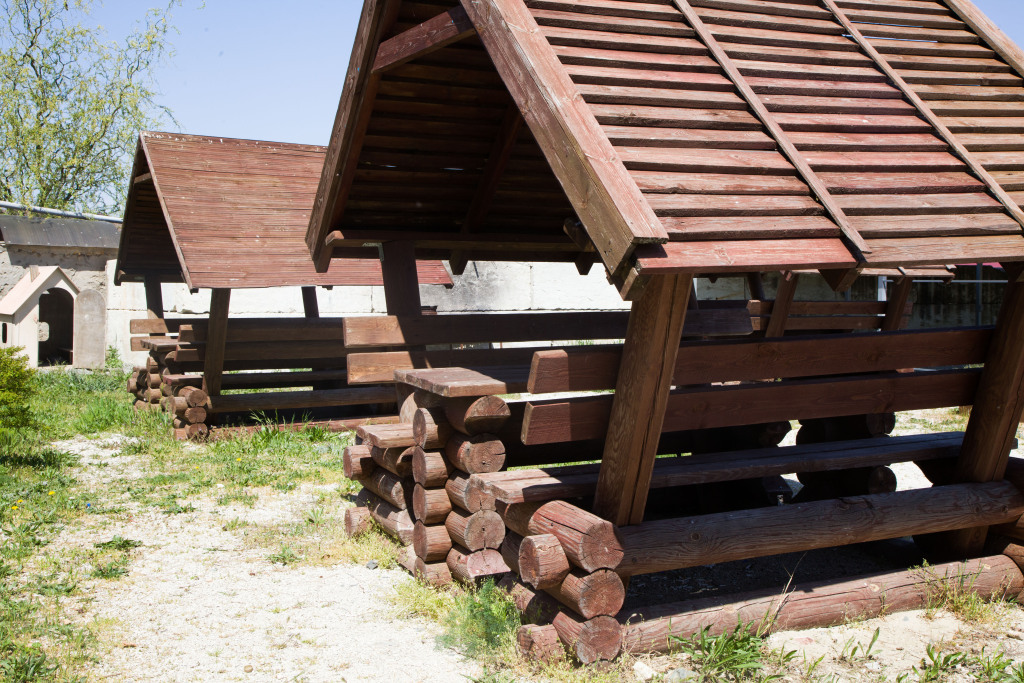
{"x":226,"y":213}
{"x":701,"y":136}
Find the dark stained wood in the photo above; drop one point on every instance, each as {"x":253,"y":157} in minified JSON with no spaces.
{"x":401,"y":284}
{"x":930,"y":114}
{"x":310,"y":307}
{"x":154,"y":297}
{"x":782,"y":304}
{"x":209,"y":192}
{"x":581,"y":419}
{"x":497,"y":162}
{"x":213,"y":364}
{"x":349,"y":126}
{"x":612,"y":208}
{"x":819,"y":604}
{"x":693,"y":541}
{"x":535,"y":486}
{"x":898,"y":299}
{"x":641,"y":391}
{"x":992,"y":429}
{"x":433,"y":34}
{"x":773,"y":127}
{"x":740,"y":256}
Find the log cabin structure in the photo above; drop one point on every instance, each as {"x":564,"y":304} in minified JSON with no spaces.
{"x":664,"y":140}
{"x":223,"y":214}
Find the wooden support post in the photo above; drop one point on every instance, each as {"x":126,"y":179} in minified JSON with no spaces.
{"x":154,"y":297}
{"x":756,"y":286}
{"x":309,"y":303}
{"x":401,"y":284}
{"x":783,"y":302}
{"x":996,"y":414}
{"x":641,"y":395}
{"x":216,"y":340}
{"x":898,"y":298}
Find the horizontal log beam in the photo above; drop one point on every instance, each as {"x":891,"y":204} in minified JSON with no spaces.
{"x":670,"y":544}
{"x":595,"y":368}
{"x":701,"y":408}
{"x":288,"y":400}
{"x":818,"y":604}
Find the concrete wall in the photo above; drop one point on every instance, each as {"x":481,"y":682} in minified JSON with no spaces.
{"x":87,"y":269}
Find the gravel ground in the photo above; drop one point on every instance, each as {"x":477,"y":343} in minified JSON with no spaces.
{"x":199,"y":604}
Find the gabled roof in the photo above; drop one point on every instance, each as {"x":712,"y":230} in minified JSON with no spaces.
{"x":704,"y":136}
{"x":225,"y":213}
{"x":28,"y":231}
{"x":28,"y":289}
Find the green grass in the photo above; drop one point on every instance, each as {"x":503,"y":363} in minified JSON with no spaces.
{"x":37,"y":498}
{"x":738,"y":655}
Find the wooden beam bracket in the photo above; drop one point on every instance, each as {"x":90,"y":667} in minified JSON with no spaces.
{"x":433,"y":34}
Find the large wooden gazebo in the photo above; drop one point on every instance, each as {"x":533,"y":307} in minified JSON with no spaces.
{"x":669,"y":139}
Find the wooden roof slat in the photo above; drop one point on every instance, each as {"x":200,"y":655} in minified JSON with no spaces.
{"x":930,"y":115}
{"x":774,"y":129}
{"x":740,"y":227}
{"x":606,"y":198}
{"x":733,"y":205}
{"x":621,"y":40}
{"x":652,"y":182}
{"x":743,"y":256}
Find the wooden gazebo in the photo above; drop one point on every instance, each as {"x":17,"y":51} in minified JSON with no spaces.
{"x":224,"y":214}
{"x":668,"y":139}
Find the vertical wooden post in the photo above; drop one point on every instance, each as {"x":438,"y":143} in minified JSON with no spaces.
{"x":401,"y":283}
{"x":309,"y":303}
{"x":997,"y":411}
{"x":641,"y":396}
{"x":898,"y":298}
{"x":756,"y":285}
{"x":154,"y":297}
{"x":783,"y":302}
{"x":216,"y":338}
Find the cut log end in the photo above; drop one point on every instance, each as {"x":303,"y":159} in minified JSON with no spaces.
{"x":357,"y":521}
{"x":540,"y":643}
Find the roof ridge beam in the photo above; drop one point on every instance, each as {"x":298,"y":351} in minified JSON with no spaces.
{"x":851,"y":237}
{"x":928,"y":115}
{"x":433,"y":34}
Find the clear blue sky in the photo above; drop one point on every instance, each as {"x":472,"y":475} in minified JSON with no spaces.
{"x":270,"y":70}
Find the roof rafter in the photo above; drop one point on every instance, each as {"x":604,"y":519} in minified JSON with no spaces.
{"x":433,"y":34}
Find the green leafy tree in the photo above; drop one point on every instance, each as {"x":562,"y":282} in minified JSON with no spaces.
{"x":16,"y":389}
{"x":72,"y":102}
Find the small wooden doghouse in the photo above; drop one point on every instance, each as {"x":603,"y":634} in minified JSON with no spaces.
{"x":224,"y":214}
{"x":38,"y":315}
{"x":667,"y":139}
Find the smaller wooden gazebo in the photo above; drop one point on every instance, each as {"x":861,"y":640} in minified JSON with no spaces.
{"x":224,"y":214}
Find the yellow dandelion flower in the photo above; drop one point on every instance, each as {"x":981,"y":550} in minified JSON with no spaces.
{"x":51,"y":493}
{"x":238,"y":460}
{"x":14,"y":507}
{"x":20,"y":502}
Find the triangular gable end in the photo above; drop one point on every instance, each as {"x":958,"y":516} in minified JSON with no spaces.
{"x":762,"y":136}
{"x":29,"y":288}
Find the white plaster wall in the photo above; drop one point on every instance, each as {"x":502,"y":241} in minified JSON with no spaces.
{"x":85,"y":268}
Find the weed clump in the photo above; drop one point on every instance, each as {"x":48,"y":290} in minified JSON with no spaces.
{"x":481,"y":620}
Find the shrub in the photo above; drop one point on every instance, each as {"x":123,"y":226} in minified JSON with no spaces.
{"x":16,"y":389}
